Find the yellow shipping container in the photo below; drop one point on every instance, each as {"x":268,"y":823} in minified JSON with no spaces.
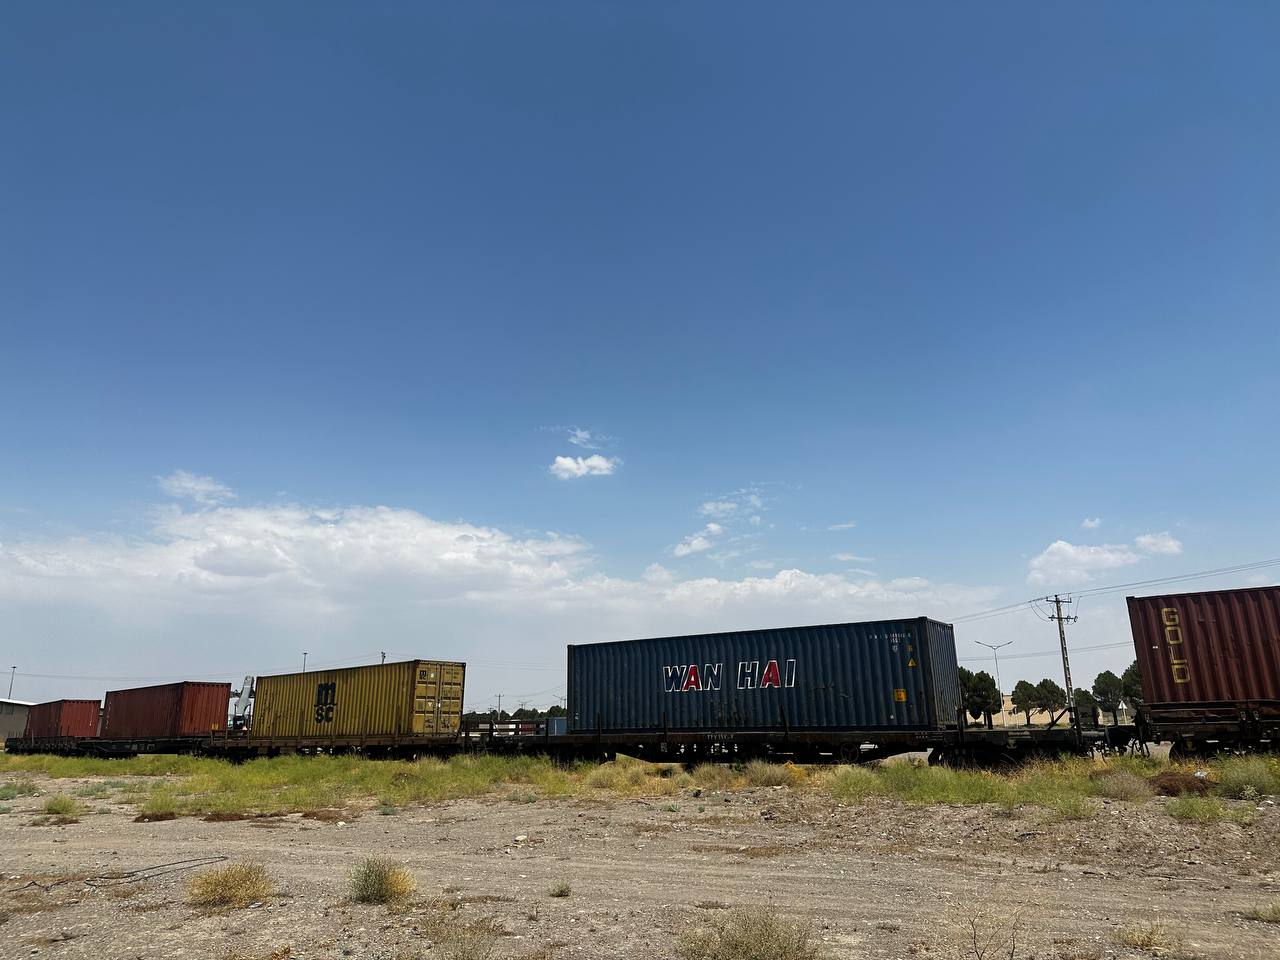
{"x":389,"y":700}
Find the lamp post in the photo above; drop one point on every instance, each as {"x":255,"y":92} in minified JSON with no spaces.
{"x":304,"y":661}
{"x":995,"y":652}
{"x":12,"y":672}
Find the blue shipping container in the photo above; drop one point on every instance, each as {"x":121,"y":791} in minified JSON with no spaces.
{"x":898,"y":674}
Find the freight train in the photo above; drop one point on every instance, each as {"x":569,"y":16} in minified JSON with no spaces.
{"x":848,"y":692}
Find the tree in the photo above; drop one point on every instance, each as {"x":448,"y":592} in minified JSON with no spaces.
{"x":1024,"y":698}
{"x":555,"y":710}
{"x":1086,"y":707}
{"x":1131,"y":684}
{"x":1050,"y":697}
{"x":978,"y":693}
{"x":1108,"y":690}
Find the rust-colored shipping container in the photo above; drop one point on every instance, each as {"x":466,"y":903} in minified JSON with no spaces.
{"x":385,"y":702}
{"x":186,"y":709}
{"x":63,"y":718}
{"x":1217,"y":647}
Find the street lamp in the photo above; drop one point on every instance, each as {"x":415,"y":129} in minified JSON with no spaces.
{"x":12,"y":671}
{"x":995,"y":652}
{"x":304,"y":661}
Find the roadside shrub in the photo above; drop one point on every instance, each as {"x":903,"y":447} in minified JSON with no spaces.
{"x":1248,"y":778}
{"x":1071,"y":807}
{"x":924,"y":785}
{"x":714,"y":776}
{"x":60,"y":805}
{"x":762,"y":773}
{"x":752,"y":935}
{"x":561,"y":889}
{"x":161,"y":805}
{"x":381,"y":881}
{"x":235,"y":885}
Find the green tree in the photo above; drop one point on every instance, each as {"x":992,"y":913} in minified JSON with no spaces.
{"x":979,"y":693}
{"x":555,"y":710}
{"x":1050,"y":698}
{"x":1108,"y":690}
{"x":1024,"y":698}
{"x":1086,"y":707}
{"x":1131,"y":685}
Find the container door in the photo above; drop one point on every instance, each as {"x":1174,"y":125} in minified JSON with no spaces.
{"x":426,"y":703}
{"x":449,"y":698}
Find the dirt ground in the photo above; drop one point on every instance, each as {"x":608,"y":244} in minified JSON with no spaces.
{"x":876,"y":880}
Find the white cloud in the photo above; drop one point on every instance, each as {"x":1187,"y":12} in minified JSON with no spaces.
{"x":851,"y":558}
{"x":193,"y":486}
{"x":1066,"y":563}
{"x":571,"y":468}
{"x":1091,"y":523}
{"x":848,"y":525}
{"x":1160,"y":543}
{"x":586,"y":439}
{"x":246,"y":588}
{"x":756,"y":520}
{"x":718,"y":508}
{"x":698,"y":542}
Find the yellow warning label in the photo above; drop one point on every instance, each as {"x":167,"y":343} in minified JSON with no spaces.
{"x":900,"y":695}
{"x":911,"y":662}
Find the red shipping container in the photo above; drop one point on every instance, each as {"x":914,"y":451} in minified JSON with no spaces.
{"x":63,"y":718}
{"x":1221,"y":646}
{"x":186,"y":709}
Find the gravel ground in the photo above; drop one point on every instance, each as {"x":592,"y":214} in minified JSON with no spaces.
{"x":877,"y":880}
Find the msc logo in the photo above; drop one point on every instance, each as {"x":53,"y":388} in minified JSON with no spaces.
{"x":326,"y":701}
{"x":686,"y":677}
{"x":1173,"y":638}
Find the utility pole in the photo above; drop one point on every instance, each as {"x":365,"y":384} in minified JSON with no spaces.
{"x":1057,"y":602}
{"x":12,"y":672}
{"x":995,"y":648}
{"x":384,"y":656}
{"x":304,"y":661}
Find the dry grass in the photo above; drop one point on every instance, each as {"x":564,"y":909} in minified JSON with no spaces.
{"x":235,"y":885}
{"x":1268,"y":913}
{"x":381,"y":881}
{"x":561,"y":889}
{"x":1151,"y":937}
{"x":1122,"y":785}
{"x":758,"y":934}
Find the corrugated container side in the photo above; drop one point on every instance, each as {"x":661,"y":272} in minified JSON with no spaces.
{"x":411,"y":698}
{"x":185,"y":709}
{"x":63,"y":718}
{"x":1214,"y":647}
{"x":882,"y":674}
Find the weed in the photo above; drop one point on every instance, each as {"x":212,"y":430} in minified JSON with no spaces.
{"x":1270,"y":913}
{"x":1248,"y":778}
{"x":671,"y":808}
{"x":1202,"y":810}
{"x":60,"y":805}
{"x":561,"y":889}
{"x":752,"y":935}
{"x":1121,"y":785}
{"x":854,"y":783}
{"x":161,"y":805}
{"x":714,"y":776}
{"x":19,"y":788}
{"x":387,"y":810}
{"x":235,"y":885}
{"x":5,"y":809}
{"x":92,"y":790}
{"x":381,"y":881}
{"x":1151,"y":937}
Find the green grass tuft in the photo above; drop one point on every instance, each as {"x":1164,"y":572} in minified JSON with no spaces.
{"x":60,"y":805}
{"x":381,"y":881}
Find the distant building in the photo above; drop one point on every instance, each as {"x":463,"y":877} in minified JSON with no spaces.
{"x":13,"y":718}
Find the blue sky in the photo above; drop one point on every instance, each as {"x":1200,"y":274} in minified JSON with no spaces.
{"x":952,"y":279}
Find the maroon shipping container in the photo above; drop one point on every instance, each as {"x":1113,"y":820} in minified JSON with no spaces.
{"x":186,"y":709}
{"x":1218,"y":647}
{"x":63,"y":718}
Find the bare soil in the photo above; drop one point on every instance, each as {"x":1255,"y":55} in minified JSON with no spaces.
{"x":876,"y":880}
